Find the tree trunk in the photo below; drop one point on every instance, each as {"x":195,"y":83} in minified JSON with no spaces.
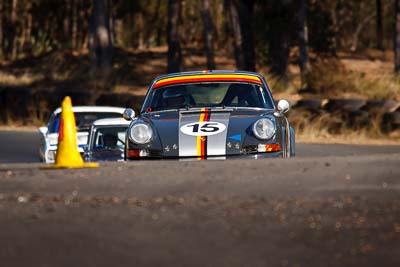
{"x":234,"y":28}
{"x":358,"y":31}
{"x":100,"y":45}
{"x":280,"y":17}
{"x":111,"y":23}
{"x":160,"y":25}
{"x":44,"y":44}
{"x":305,"y":66}
{"x":140,"y":34}
{"x":240,"y":14}
{"x":246,"y":15}
{"x":1,"y":30}
{"x":150,"y":37}
{"x":336,"y":44}
{"x":397,"y":38}
{"x":21,"y":41}
{"x":219,"y":25}
{"x":174,"y":46}
{"x":74,"y":37}
{"x":208,"y":34}
{"x":13,"y":32}
{"x":84,"y":17}
{"x":66,"y":21}
{"x":379,"y":25}
{"x":28,"y":32}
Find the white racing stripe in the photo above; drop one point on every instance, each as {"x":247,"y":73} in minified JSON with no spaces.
{"x":187,"y":143}
{"x":216,"y":143}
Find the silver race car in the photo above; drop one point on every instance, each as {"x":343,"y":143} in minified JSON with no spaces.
{"x":84,"y":117}
{"x":208,"y":115}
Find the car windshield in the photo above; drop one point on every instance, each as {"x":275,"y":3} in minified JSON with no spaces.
{"x":83,"y":120}
{"x":215,"y":94}
{"x":109,"y":138}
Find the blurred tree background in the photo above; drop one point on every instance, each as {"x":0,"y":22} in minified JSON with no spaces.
{"x":258,"y":35}
{"x":336,"y":61}
{"x":256,"y":32}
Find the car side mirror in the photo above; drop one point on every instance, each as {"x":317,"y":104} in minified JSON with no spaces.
{"x":43,"y":130}
{"x":283,"y":106}
{"x":129,"y":114}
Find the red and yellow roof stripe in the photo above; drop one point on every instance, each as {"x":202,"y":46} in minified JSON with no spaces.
{"x":208,"y":78}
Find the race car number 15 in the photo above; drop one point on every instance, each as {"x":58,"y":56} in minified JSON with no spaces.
{"x":205,"y":128}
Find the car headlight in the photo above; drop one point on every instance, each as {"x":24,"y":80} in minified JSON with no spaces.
{"x":264,"y":128}
{"x":141,"y":133}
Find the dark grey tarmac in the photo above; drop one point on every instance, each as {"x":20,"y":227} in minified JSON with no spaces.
{"x":331,"y":206}
{"x":23,"y":147}
{"x":19,"y":146}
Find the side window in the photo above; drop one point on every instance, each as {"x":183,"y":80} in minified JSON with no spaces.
{"x":99,"y":140}
{"x":235,"y":101}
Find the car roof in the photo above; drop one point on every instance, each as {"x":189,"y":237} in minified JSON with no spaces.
{"x":95,"y":109}
{"x":111,"y":121}
{"x":206,"y":72}
{"x":205,"y":76}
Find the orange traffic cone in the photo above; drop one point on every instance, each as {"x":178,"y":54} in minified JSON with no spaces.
{"x":67,"y":151}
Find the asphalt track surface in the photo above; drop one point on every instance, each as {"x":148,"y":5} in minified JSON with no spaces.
{"x":333,"y":205}
{"x":22,"y":147}
{"x":19,"y":146}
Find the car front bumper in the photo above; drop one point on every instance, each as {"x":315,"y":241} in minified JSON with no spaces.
{"x":254,"y":156}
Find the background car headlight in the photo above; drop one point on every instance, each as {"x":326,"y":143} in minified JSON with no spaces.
{"x":141,"y":133}
{"x":264,"y":129}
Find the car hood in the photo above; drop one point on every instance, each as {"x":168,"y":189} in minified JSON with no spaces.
{"x":206,"y":132}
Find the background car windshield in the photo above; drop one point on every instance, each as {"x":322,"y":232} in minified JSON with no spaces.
{"x":110,"y":138}
{"x":83,"y":120}
{"x":210,"y":95}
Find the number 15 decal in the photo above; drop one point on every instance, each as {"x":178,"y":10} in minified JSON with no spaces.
{"x":205,"y":128}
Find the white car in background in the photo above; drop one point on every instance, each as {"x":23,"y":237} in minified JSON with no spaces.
{"x":84,"y":117}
